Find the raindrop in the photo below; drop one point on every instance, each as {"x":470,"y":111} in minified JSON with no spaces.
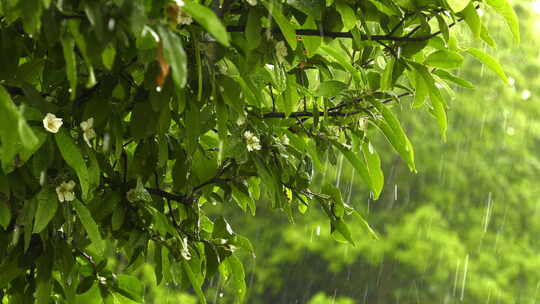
{"x":488,"y":213}
{"x":511,"y":81}
{"x":111,"y":24}
{"x":456,"y":277}
{"x":525,"y":94}
{"x":318,"y":230}
{"x":42,"y":177}
{"x":106,"y":142}
{"x":480,"y":12}
{"x":465,"y":267}
{"x":340,"y":169}
{"x":221,"y":294}
{"x":158,"y":89}
{"x":395,"y":192}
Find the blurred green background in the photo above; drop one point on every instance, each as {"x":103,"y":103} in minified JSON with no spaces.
{"x":464,"y":229}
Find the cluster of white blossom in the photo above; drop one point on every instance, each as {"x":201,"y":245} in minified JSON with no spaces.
{"x":252,"y":142}
{"x":65,"y":191}
{"x":281,"y":51}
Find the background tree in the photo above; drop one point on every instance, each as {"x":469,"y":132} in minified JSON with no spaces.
{"x":126,"y":121}
{"x":462,"y":230}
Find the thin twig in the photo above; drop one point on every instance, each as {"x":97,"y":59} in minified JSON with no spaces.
{"x":170,"y":196}
{"x":310,"y":32}
{"x":330,"y":114}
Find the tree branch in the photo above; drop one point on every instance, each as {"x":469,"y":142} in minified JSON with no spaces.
{"x":310,"y":32}
{"x":301,"y":114}
{"x":170,"y":196}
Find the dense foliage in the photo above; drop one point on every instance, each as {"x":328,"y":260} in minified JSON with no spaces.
{"x":124,"y":121}
{"x":462,"y":230}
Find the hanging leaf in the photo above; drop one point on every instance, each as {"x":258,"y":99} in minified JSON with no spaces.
{"x":458,"y":5}
{"x":444,"y":60}
{"x":206,"y":17}
{"x":473,"y":20}
{"x":90,"y":226}
{"x":359,"y":166}
{"x":47,"y":203}
{"x":504,"y":8}
{"x":284,"y":24}
{"x":435,"y":96}
{"x":74,"y":158}
{"x":342,"y":60}
{"x":174,"y":55}
{"x":490,"y":62}
{"x":394,"y":132}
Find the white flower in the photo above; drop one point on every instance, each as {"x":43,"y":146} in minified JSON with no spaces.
{"x":252,"y":141}
{"x":183,"y":18}
{"x":252,"y":2}
{"x":52,"y":123}
{"x":132,"y":195}
{"x":65,"y":191}
{"x":240,"y":121}
{"x":180,"y":3}
{"x":525,"y":94}
{"x":284,"y":140}
{"x":362,"y":123}
{"x":281,"y":50}
{"x":511,"y":81}
{"x":88,"y":130}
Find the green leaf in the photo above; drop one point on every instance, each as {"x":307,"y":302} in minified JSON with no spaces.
{"x":348,"y":17}
{"x":253,"y":29}
{"x":490,"y":62}
{"x":108,"y":56}
{"x":335,"y":194}
{"x":444,"y":59}
{"x":90,"y":226}
{"x":386,"y":78}
{"x":443,"y":27}
{"x":504,"y":8}
{"x":458,"y":5}
{"x":5,"y":215}
{"x":44,"y":278}
{"x":74,"y":158}
{"x":311,"y":43}
{"x":365,"y":225}
{"x":10,"y":269}
{"x":359,"y":166}
{"x":437,"y":101}
{"x":94,"y":172}
{"x":238,"y":278}
{"x":340,"y":231}
{"x":421,"y":90}
{"x":284,"y":24}
{"x":331,"y":88}
{"x":85,"y":284}
{"x":473,"y":20}
{"x":175,"y":55}
{"x":68,"y":47}
{"x":206,"y":17}
{"x":373,"y":162}
{"x":342,"y":60}
{"x":195,"y":283}
{"x":392,"y":130}
{"x":130,"y":287}
{"x":47,"y":203}
{"x":457,"y":80}
{"x":486,"y":37}
{"x":19,"y":142}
